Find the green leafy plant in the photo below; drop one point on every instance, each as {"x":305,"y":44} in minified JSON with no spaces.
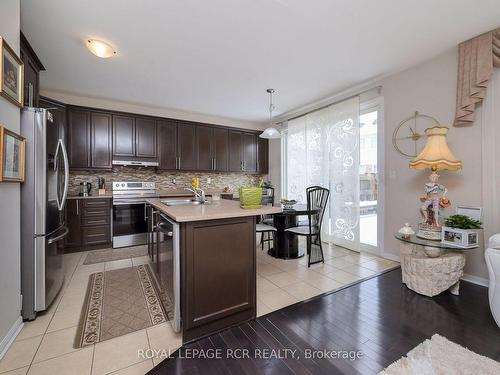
{"x":462,"y":222}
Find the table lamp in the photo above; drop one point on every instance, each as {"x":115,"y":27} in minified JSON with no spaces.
{"x":435,"y":156}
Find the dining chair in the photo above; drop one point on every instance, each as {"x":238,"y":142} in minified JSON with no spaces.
{"x":317,"y":199}
{"x":305,"y":221}
{"x":267,"y":200}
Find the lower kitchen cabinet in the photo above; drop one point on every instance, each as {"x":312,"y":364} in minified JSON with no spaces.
{"x":218,"y":279}
{"x":89,"y":224}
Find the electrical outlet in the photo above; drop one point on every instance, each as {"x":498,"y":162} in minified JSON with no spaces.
{"x":174,"y":181}
{"x":209,"y":180}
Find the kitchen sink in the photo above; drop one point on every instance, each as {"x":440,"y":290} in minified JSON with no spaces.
{"x":180,"y":202}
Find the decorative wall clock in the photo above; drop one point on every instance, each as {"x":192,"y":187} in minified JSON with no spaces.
{"x":409,"y":137}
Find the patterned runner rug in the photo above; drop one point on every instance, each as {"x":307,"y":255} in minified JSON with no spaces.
{"x":119,"y":302}
{"x":108,"y":255}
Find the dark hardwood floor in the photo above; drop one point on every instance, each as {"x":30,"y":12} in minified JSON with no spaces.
{"x":380,"y":318}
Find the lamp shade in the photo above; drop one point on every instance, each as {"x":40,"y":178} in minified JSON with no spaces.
{"x":270,"y":133}
{"x":436,"y":154}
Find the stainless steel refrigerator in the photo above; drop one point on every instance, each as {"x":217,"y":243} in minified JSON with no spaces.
{"x":43,"y":196}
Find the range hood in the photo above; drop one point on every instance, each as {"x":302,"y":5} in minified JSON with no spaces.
{"x":136,"y":163}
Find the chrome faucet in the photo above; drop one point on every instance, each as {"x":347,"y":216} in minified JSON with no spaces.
{"x":199,"y":194}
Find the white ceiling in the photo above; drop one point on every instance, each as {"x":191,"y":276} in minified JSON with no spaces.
{"x":219,"y":56}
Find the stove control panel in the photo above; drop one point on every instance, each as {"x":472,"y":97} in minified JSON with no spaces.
{"x":132,"y":185}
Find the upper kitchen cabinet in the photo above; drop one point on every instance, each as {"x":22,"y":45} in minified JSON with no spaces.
{"x":167,"y":144}
{"x":78,"y":138}
{"x":32,"y":68}
{"x":221,"y":150}
{"x":205,"y":144}
{"x":134,"y":138}
{"x":213,"y":151}
{"x":249,"y":156}
{"x":89,"y":139}
{"x":145,"y":138}
{"x":123,"y":136}
{"x":187,"y":152}
{"x":242,"y":151}
{"x":100,"y":141}
{"x":263,"y":156}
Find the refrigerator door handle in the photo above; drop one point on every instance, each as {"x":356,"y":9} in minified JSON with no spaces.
{"x":60,"y":146}
{"x":59,"y":237}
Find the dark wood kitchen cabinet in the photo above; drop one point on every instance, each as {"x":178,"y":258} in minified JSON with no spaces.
{"x":235,"y":151}
{"x":167,"y":145}
{"x":89,"y":224}
{"x":217,"y":293}
{"x":78,"y":138}
{"x":263,"y":156}
{"x":97,"y":137}
{"x":145,"y":138}
{"x":213,"y":151}
{"x":100,"y":141}
{"x":206,"y":148}
{"x":134,"y":138}
{"x":187,"y":151}
{"x":242,"y":152}
{"x":221,"y":149}
{"x":89,"y":139}
{"x":249,"y":156}
{"x":123,"y":136}
{"x":32,"y":68}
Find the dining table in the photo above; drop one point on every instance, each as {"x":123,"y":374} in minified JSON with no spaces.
{"x":286,"y":244}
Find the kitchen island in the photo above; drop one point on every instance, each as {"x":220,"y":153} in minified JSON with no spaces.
{"x":216,"y":277}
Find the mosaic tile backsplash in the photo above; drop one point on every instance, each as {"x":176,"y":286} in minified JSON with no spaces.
{"x":164,"y":180}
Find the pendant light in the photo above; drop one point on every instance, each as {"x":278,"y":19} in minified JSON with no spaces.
{"x":271,"y":132}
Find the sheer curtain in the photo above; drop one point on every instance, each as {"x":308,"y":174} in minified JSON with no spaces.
{"x":322,"y":148}
{"x":490,"y":128}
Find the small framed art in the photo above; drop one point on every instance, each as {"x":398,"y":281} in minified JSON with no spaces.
{"x":11,"y":74}
{"x":12,"y":156}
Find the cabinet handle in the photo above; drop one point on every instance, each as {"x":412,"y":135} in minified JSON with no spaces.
{"x":77,"y":207}
{"x":215,"y":164}
{"x":179,"y":167}
{"x":30,"y":95}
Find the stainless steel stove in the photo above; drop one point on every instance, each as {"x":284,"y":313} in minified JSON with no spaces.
{"x":130,"y":213}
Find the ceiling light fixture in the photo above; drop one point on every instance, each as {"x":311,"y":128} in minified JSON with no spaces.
{"x":100,"y":48}
{"x":271,"y":132}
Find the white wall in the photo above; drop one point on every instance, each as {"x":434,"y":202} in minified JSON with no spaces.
{"x":429,"y":88}
{"x":10,"y":284}
{"x":75,"y":99}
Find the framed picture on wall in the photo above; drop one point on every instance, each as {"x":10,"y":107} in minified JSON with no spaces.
{"x":12,"y":156}
{"x":11,"y":74}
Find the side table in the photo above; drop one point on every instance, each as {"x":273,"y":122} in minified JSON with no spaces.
{"x":430,"y":275}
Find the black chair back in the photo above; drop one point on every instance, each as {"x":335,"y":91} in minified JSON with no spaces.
{"x":317,"y":199}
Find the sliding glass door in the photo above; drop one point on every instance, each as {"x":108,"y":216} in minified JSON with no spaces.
{"x":336,"y":147}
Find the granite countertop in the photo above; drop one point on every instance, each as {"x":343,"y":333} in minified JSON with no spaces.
{"x":108,"y":195}
{"x":221,"y":209}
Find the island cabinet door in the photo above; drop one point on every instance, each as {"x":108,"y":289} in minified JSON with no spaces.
{"x":218,"y":275}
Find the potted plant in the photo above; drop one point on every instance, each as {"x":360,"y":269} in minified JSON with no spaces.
{"x":461,"y":231}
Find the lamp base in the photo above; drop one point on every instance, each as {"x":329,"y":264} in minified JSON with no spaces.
{"x":429,"y":232}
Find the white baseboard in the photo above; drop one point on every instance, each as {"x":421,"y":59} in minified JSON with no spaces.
{"x":10,"y":336}
{"x":390,"y":256}
{"x":476,"y":280}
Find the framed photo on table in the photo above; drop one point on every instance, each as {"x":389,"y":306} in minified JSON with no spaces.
{"x":12,"y":156}
{"x":11,"y":75}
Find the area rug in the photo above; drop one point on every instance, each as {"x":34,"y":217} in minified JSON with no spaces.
{"x":108,"y":255}
{"x":119,"y":302}
{"x":440,"y":356}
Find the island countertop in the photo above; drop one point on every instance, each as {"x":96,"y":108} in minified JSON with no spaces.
{"x":221,"y":209}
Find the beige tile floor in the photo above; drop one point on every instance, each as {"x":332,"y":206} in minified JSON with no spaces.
{"x":45,"y":346}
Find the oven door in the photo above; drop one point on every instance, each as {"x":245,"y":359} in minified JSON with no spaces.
{"x":130,"y":225}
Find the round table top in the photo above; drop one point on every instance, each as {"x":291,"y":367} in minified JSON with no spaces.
{"x":298,"y":209}
{"x":423,"y":242}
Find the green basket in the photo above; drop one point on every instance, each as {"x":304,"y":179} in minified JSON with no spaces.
{"x":251,"y":197}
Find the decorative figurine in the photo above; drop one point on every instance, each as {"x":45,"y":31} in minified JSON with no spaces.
{"x":432,"y":201}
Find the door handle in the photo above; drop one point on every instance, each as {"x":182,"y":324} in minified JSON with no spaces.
{"x":58,"y":238}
